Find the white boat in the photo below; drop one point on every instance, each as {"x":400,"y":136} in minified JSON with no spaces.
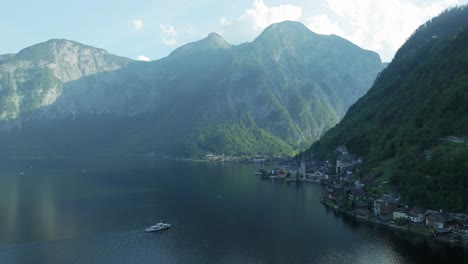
{"x":158,"y":227}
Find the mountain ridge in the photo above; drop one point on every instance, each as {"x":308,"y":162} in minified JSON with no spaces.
{"x":280,"y":96}
{"x":212,"y":42}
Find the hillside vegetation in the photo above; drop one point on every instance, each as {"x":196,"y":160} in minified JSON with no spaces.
{"x":420,"y":99}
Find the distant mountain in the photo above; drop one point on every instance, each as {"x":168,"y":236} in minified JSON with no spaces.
{"x":272,"y":96}
{"x":6,"y":56}
{"x":411,"y":124}
{"x":213,"y":42}
{"x":34,"y":77}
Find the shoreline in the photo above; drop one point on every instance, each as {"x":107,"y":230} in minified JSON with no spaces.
{"x":397,"y":227}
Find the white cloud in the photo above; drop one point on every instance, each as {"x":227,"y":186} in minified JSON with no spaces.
{"x":261,"y":16}
{"x":168,"y":30}
{"x":224,"y":21}
{"x":322,"y":24}
{"x":252,"y":21}
{"x":143,"y":58}
{"x":382,"y":26}
{"x":168,"y":33}
{"x":169,"y":42}
{"x":137,"y":24}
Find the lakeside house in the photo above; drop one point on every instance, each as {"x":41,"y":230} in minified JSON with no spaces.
{"x":258,"y":160}
{"x":336,"y":192}
{"x":346,"y":162}
{"x":385,"y":206}
{"x":416,"y":215}
{"x":438,"y":232}
{"x":317,"y":174}
{"x":281,"y":172}
{"x":436,"y":219}
{"x":458,"y":226}
{"x":361,"y":208}
{"x":400,"y":213}
{"x":213,"y":157}
{"x":356,"y":194}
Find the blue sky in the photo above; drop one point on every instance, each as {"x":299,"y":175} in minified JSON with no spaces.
{"x":151,"y":29}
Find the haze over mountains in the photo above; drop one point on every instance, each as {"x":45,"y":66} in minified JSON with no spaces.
{"x":272,"y":96}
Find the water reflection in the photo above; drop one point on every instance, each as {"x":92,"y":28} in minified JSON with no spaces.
{"x":56,"y":213}
{"x":12,"y":198}
{"x":46,"y":213}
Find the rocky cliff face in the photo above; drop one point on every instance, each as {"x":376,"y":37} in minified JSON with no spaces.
{"x":34,"y":77}
{"x":271,"y":96}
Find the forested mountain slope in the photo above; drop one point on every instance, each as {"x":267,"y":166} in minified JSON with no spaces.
{"x":402,"y":125}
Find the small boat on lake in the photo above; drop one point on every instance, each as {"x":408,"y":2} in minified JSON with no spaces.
{"x":158,"y":227}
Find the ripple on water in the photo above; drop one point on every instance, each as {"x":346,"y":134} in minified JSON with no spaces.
{"x":110,"y":248}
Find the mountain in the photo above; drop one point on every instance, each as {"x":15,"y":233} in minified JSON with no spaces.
{"x":411,"y":124}
{"x":213,"y":42}
{"x":6,"y":56}
{"x":272,"y":96}
{"x":34,"y":77}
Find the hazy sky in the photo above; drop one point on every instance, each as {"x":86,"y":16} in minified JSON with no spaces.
{"x":151,"y":29}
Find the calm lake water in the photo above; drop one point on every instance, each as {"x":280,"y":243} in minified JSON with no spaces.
{"x":94,"y":211}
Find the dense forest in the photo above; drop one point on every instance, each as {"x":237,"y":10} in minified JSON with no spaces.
{"x":402,"y":124}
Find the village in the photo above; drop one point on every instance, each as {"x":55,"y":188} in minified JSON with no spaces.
{"x":369,"y":199}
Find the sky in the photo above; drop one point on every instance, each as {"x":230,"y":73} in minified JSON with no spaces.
{"x":151,"y":29}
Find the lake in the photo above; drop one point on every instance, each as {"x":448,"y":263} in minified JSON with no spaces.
{"x":94,"y":211}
